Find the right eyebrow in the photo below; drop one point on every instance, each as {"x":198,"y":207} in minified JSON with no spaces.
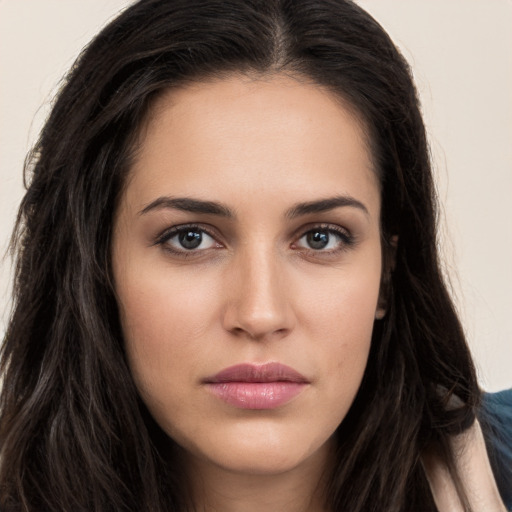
{"x":188,"y":204}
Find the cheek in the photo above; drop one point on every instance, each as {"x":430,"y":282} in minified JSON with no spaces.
{"x":173,"y":330}
{"x":339,"y":320}
{"x":163,"y":321}
{"x":342,"y":304}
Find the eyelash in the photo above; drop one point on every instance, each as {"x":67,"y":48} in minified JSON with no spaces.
{"x":167,"y":235}
{"x":346,"y":239}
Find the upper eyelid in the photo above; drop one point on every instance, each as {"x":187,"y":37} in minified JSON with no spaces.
{"x":212,"y":232}
{"x":174,"y":230}
{"x":321,"y":226}
{"x":163,"y":241}
{"x":343,"y":234}
{"x":211,"y":229}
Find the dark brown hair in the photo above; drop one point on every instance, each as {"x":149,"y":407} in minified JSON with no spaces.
{"x":74,"y":434}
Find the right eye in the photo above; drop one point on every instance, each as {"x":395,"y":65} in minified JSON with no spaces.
{"x":187,"y":239}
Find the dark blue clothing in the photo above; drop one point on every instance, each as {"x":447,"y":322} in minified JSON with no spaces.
{"x":496,"y":420}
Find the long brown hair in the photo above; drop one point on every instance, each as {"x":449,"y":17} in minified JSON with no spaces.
{"x":74,"y":435}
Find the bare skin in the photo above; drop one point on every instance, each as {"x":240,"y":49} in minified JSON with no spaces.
{"x":249,"y":232}
{"x":476,"y":473}
{"x":287,"y":271}
{"x":299,"y":490}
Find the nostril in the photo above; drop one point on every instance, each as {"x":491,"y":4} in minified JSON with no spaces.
{"x":259,"y":335}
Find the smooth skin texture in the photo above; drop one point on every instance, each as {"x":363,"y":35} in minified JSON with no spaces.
{"x":267,"y":273}
{"x":476,"y":474}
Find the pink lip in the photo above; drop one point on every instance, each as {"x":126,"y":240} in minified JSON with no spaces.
{"x":250,"y":386}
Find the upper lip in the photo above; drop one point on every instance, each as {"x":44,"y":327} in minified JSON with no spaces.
{"x":249,"y":372}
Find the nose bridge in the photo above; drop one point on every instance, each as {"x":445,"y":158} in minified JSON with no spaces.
{"x":259,"y":304}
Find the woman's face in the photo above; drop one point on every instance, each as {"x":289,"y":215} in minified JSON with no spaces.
{"x":247,"y":263}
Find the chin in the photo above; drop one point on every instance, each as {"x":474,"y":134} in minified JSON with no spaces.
{"x":264,"y":450}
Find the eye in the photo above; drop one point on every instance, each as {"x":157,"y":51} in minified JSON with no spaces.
{"x":326,"y":239}
{"x":187,"y":239}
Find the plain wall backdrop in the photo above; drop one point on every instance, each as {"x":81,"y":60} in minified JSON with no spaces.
{"x":461,"y":55}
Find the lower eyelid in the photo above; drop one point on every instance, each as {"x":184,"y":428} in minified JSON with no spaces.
{"x":169,"y":243}
{"x":345,"y":239}
{"x":344,"y":235}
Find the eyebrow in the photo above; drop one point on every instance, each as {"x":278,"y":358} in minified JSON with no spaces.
{"x":188,"y":204}
{"x":324,"y":205}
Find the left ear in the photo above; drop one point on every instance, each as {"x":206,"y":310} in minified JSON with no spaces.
{"x":388,"y":265}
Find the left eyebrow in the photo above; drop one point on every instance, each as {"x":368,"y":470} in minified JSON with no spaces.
{"x":325,"y":205}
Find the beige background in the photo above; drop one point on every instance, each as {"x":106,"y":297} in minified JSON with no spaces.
{"x":461,"y":54}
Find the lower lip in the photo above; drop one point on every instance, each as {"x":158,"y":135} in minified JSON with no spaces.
{"x":256,"y":395}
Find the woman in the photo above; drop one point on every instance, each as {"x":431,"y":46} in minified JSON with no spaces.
{"x":228,"y":295}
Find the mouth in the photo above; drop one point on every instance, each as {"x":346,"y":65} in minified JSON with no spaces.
{"x":251,"y":386}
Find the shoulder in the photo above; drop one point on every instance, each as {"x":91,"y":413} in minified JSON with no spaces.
{"x":496,"y":419}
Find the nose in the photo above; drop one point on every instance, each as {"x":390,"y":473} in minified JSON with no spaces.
{"x":258,"y":299}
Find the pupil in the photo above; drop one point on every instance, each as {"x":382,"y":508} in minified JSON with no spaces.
{"x":190,"y":239}
{"x":318,"y":239}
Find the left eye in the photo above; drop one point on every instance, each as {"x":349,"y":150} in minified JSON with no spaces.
{"x":189,"y":239}
{"x":323,"y":240}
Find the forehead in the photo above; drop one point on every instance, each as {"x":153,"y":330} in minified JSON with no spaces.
{"x":278,"y":134}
